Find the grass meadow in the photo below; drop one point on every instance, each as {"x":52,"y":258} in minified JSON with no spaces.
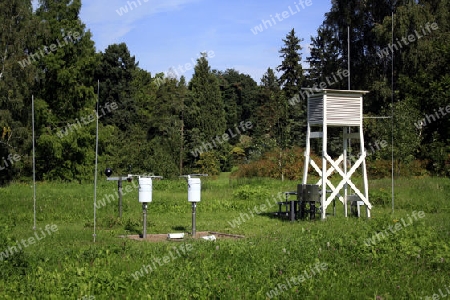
{"x":403,"y":254}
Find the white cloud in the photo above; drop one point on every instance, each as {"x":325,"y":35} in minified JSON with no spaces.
{"x":111,"y":22}
{"x":106,"y":11}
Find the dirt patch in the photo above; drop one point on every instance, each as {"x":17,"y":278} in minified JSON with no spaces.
{"x":164,"y":237}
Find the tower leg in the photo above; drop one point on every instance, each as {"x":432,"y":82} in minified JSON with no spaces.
{"x":364,"y":168}
{"x":324,"y":172}
{"x":307,"y":153}
{"x":345,"y":146}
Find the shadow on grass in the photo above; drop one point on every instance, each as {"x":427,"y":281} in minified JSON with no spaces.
{"x":181,"y":228}
{"x":285,"y":216}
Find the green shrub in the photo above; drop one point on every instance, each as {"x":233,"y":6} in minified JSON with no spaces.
{"x":382,"y":168}
{"x":379,"y":197}
{"x":247,"y":192}
{"x":209,"y":163}
{"x":287,"y":163}
{"x":11,"y":264}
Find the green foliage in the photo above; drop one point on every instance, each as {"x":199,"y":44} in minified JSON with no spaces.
{"x":418,"y":67}
{"x":292,"y":73}
{"x":15,"y":263}
{"x":208,"y":163}
{"x":292,"y":121}
{"x":115,"y":73}
{"x":69,"y":265}
{"x":239,"y":95}
{"x":276,"y":164}
{"x":380,"y":197}
{"x":204,"y":97}
{"x":270,"y":128}
{"x":382,"y":168}
{"x":247,"y":192}
{"x":161,"y":118}
{"x":238,"y":155}
{"x":132,"y":226}
{"x":16,"y":83}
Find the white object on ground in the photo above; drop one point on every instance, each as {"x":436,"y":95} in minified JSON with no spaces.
{"x":175,"y":235}
{"x":209,"y":237}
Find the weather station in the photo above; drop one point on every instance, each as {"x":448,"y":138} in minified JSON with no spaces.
{"x":194,"y":195}
{"x":145,"y":196}
{"x":337,"y":108}
{"x":119,"y":179}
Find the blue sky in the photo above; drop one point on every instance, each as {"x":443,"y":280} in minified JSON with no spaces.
{"x":167,"y":33}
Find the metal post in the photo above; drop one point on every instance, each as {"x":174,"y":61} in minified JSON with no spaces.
{"x":311,"y":196}
{"x":334,"y":207}
{"x":392,"y":117}
{"x":312,"y":210}
{"x":119,"y":187}
{"x":34,"y":164}
{"x":144,"y":209}
{"x":348,"y":56}
{"x":292,"y":211}
{"x":194,"y":206}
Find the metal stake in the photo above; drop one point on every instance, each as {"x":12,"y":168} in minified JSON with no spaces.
{"x":144,"y":212}
{"x":194,"y":206}
{"x":119,"y":187}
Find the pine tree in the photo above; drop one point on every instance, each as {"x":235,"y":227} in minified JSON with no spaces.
{"x":270,"y":117}
{"x":291,"y":81}
{"x":291,"y":78}
{"x":205,"y":115}
{"x":325,"y":58}
{"x":205,"y":105}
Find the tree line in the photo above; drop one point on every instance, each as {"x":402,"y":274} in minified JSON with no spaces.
{"x":163,"y":124}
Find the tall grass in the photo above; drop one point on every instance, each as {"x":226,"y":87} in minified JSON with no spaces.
{"x":409,"y":264}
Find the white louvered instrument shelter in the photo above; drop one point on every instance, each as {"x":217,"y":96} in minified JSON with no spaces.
{"x":336,"y":108}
